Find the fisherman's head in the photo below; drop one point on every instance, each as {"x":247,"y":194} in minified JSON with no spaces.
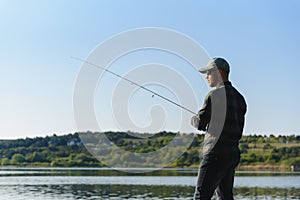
{"x":217,"y":71}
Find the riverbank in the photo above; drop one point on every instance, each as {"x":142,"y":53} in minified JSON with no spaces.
{"x":268,"y":167}
{"x":261,"y":167}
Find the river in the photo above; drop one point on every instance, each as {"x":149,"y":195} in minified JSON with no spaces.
{"x":105,"y":183}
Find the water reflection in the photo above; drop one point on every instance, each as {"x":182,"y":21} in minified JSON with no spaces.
{"x":267,"y":193}
{"x":134,"y":192}
{"x":66,"y":192}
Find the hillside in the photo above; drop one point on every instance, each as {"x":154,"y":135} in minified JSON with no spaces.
{"x":258,"y":152}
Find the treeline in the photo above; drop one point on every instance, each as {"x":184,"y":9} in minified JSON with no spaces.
{"x":70,"y":151}
{"x":54,"y":151}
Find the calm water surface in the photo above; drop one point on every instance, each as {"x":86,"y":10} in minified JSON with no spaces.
{"x":166,"y":184}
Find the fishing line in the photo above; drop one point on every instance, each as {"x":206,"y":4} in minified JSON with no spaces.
{"x":134,"y":83}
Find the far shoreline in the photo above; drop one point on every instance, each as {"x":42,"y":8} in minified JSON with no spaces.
{"x":259,"y":167}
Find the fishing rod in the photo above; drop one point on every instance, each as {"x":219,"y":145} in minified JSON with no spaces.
{"x":134,"y":83}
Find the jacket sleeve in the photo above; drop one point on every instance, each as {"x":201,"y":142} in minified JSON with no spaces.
{"x":205,"y":113}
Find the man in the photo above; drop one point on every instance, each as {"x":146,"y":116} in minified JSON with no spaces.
{"x":222,"y":117}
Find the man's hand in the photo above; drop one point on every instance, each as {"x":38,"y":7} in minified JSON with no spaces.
{"x":195,"y":121}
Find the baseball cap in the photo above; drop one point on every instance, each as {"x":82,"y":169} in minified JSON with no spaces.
{"x":219,"y":63}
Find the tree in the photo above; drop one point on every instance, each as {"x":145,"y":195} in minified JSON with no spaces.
{"x":244,"y":148}
{"x":17,"y":159}
{"x":36,"y":157}
{"x":4,"y":161}
{"x":273,"y":157}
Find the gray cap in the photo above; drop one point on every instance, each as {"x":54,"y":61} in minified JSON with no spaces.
{"x":219,"y":63}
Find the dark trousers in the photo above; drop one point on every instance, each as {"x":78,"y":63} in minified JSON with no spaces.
{"x":216,"y":173}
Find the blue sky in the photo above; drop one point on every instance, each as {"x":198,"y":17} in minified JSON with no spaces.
{"x":260,"y":39}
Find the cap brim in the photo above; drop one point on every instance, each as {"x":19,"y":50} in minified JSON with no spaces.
{"x":205,"y":69}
